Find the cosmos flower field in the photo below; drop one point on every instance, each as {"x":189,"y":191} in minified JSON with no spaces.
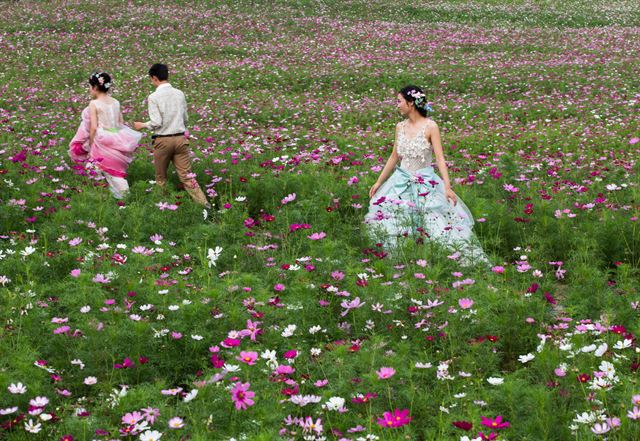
{"x":273,"y":315}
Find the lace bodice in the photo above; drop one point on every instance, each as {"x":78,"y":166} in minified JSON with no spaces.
{"x":108,"y":114}
{"x":414,"y":153}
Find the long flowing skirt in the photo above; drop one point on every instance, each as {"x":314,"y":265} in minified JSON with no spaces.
{"x":416,"y":204}
{"x":112,"y":151}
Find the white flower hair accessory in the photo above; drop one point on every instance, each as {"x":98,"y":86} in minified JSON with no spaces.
{"x":420,"y":100}
{"x":101,"y":80}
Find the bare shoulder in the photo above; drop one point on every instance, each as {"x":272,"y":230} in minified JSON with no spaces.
{"x":431,"y":124}
{"x":401,"y":124}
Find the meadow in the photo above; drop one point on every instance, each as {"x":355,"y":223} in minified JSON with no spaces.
{"x":273,"y":315}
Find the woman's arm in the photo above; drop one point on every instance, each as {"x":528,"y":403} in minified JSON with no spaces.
{"x":388,"y":168}
{"x":93,"y":112}
{"x":436,"y":143}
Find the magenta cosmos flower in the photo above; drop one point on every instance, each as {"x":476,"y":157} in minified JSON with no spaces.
{"x":241,"y":395}
{"x":397,"y":418}
{"x":496,"y":423}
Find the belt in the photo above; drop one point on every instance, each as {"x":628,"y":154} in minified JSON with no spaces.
{"x":166,"y":136}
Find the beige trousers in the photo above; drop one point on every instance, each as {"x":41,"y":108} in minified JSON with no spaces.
{"x":176,"y":149}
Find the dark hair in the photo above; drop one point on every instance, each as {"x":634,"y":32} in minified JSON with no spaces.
{"x":419,"y":102}
{"x":160,"y":71}
{"x":101,"y":81}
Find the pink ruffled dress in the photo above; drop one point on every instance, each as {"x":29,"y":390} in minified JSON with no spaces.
{"x":113,"y":145}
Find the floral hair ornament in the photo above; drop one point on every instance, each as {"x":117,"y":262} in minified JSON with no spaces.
{"x":100,"y":78}
{"x":420,"y":100}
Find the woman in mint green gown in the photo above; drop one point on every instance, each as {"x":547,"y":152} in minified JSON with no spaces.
{"x":410,"y":199}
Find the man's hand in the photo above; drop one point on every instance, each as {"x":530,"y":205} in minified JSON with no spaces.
{"x":138,"y":125}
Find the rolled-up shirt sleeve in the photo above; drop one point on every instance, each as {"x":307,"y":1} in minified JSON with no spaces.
{"x":155,"y":117}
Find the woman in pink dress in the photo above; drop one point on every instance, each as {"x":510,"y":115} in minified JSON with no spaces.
{"x":103,"y":139}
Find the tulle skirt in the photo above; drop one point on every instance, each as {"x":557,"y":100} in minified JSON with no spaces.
{"x":410,"y":204}
{"x":112,"y":150}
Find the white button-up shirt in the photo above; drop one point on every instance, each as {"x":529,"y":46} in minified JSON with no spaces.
{"x":167,"y":110}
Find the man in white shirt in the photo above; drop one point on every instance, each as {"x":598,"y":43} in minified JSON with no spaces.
{"x":167,"y":120}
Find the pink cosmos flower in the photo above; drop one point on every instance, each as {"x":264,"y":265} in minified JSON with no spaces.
{"x":385,"y":372}
{"x":317,"y":236}
{"x":634,"y":414}
{"x":312,"y":426}
{"x":75,"y":273}
{"x":465,"y":303}
{"x":252,"y":330}
{"x":150,"y":414}
{"x":354,"y":304}
{"x":101,"y":278}
{"x":288,"y":198}
{"x":174,"y":391}
{"x":132,"y":418}
{"x":242,"y":396}
{"x":61,"y":330}
{"x":249,"y":357}
{"x":284,"y":370}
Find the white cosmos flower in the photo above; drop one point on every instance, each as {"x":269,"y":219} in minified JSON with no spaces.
{"x":526,"y":358}
{"x":289,"y":330}
{"x":608,"y":368}
{"x":624,"y":344}
{"x":30,"y":427}
{"x":601,"y":350}
{"x":495,"y":381}
{"x":421,"y":365}
{"x":334,"y":403}
{"x":78,"y":363}
{"x":39,"y":401}
{"x":45,"y":416}
{"x":268,"y":355}
{"x":17,"y":388}
{"x":151,"y":435}
{"x":191,"y":395}
{"x":213,"y":254}
{"x":231,"y":367}
{"x":585,"y":418}
{"x":29,"y":250}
